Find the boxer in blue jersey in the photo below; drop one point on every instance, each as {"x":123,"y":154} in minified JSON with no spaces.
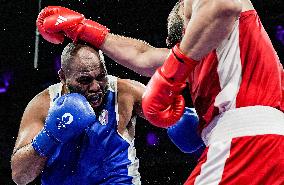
{"x":81,"y":130}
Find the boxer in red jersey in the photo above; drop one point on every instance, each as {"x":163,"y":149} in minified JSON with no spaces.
{"x":235,"y":79}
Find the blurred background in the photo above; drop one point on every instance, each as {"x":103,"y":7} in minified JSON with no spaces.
{"x":161,"y":163}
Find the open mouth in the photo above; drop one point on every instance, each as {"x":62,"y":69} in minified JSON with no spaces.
{"x":95,"y":99}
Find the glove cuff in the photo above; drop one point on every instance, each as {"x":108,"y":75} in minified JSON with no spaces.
{"x":93,"y":33}
{"x":45,"y":144}
{"x":177,"y":66}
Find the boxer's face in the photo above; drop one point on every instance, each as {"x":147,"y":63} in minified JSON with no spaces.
{"x":88,"y":76}
{"x":175,"y":25}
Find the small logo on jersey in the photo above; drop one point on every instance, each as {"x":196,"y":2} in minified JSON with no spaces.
{"x":57,"y":96}
{"x":66,"y":119}
{"x":60,"y":19}
{"x":103,"y":118}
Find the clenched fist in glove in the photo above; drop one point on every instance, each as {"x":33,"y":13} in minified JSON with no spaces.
{"x":55,"y":22}
{"x":66,"y":120}
{"x":162,"y":102}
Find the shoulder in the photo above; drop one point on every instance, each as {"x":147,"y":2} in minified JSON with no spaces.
{"x":39,"y":105}
{"x":128,"y":85}
{"x":33,"y":118}
{"x":41,"y":98}
{"x":130,"y":92}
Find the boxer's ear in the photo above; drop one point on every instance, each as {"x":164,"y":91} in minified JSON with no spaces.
{"x":62,"y":76}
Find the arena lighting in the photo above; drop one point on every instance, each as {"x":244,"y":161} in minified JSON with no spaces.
{"x":152,"y":139}
{"x":5,"y":79}
{"x":280,"y":33}
{"x":37,"y":40}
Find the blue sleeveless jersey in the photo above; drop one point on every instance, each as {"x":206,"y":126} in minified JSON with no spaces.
{"x":100,"y":156}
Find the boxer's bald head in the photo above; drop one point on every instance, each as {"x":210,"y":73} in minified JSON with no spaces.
{"x":175,"y":25}
{"x":83,"y":71}
{"x":75,"y":54}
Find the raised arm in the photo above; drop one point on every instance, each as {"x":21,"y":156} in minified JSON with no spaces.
{"x":208,"y":23}
{"x":26,"y":164}
{"x":134,"y":54}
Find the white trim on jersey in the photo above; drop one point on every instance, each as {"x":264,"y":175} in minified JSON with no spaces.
{"x":113,"y":87}
{"x":133,"y":167}
{"x":54,"y":92}
{"x":229,"y":71}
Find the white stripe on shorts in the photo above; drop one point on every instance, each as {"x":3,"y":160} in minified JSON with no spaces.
{"x":212,"y":169}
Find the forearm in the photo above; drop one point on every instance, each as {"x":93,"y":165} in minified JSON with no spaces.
{"x":26,"y":164}
{"x":211,"y":22}
{"x":134,"y":54}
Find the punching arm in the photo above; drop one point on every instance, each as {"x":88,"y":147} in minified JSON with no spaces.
{"x":134,"y":54}
{"x":55,"y":22}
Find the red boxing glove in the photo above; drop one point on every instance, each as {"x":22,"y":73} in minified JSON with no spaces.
{"x":162,"y":103}
{"x":54,"y":22}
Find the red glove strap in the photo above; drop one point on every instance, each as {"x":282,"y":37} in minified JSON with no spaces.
{"x":182,"y":57}
{"x":93,"y":33}
{"x":177,"y":66}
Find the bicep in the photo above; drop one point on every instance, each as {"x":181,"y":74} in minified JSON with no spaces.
{"x":32,"y":121}
{"x":137,"y":91}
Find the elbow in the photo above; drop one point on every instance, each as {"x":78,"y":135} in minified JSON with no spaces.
{"x":146,"y":70}
{"x":18,"y":178}
{"x":19,"y":175}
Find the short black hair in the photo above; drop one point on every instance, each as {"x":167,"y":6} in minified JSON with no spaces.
{"x":175,"y":26}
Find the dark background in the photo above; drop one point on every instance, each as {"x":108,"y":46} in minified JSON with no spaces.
{"x":160,"y":162}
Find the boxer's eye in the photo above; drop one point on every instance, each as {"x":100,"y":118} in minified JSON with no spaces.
{"x":84,"y":80}
{"x":101,"y":77}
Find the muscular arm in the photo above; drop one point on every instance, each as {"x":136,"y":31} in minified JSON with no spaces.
{"x":137,"y":91}
{"x":209,"y":24}
{"x":131,"y":91}
{"x":134,"y":54}
{"x":129,"y":104}
{"x":26,"y":164}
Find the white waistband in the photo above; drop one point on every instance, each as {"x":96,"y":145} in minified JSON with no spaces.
{"x":245,"y":121}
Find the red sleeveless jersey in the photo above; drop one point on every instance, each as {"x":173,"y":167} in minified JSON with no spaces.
{"x":243,"y":71}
